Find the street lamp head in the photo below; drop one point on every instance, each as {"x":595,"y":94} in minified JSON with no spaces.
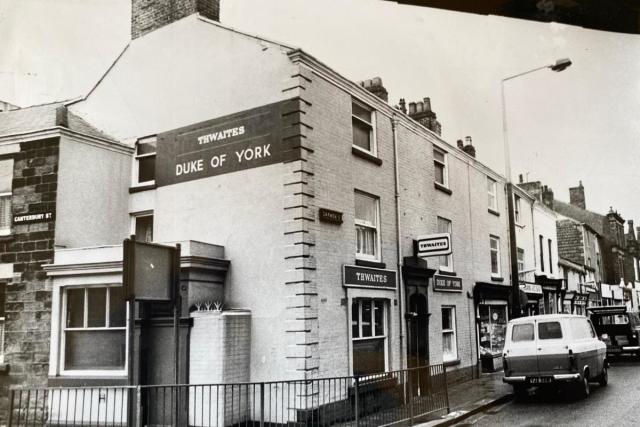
{"x":561,"y":64}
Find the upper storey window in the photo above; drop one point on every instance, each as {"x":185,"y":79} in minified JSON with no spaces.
{"x":363,"y":123}
{"x":440,"y":167}
{"x":145,"y":161}
{"x":6,"y":178}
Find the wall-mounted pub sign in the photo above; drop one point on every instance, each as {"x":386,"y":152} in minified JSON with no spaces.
{"x":332,"y":217}
{"x":447,"y":283}
{"x":363,"y":277}
{"x":33,"y":217}
{"x":432,"y":245}
{"x":227,"y":144}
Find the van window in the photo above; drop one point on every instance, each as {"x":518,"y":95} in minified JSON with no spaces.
{"x":522,"y":332}
{"x":581,"y":329}
{"x":549,"y":330}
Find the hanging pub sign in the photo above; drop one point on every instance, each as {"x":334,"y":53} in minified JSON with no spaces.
{"x":33,"y":217}
{"x":150,"y":271}
{"x":447,"y":283}
{"x":432,"y":245}
{"x":244,"y":140}
{"x":363,"y":277}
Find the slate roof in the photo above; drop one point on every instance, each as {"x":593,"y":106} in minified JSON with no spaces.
{"x":40,"y":117}
{"x":594,"y":220}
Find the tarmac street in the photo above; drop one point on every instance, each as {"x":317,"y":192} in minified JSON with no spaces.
{"x":617,"y":404}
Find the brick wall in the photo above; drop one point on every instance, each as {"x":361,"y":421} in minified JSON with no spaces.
{"x":28,"y":295}
{"x":148,"y":15}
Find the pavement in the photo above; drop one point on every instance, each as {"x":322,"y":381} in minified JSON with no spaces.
{"x":471,"y":397}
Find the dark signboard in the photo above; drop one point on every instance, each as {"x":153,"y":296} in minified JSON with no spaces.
{"x":149,"y":271}
{"x":332,"y":217}
{"x":432,"y":245}
{"x":358,"y":277}
{"x":231,"y":143}
{"x":580,"y":298}
{"x":33,"y":217}
{"x":447,"y":283}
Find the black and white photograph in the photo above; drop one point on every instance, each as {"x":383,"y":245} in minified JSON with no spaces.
{"x":292,"y":213}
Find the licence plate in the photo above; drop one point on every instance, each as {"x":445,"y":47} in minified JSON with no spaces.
{"x":614,"y":350}
{"x":540,"y":380}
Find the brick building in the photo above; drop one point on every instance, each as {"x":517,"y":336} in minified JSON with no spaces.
{"x":631,"y":278}
{"x":296,"y":195}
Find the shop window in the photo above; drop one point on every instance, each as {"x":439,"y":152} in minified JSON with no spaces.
{"x":445,"y":261}
{"x":145,"y":161}
{"x":6,"y":179}
{"x":363,"y":122}
{"x":495,"y":256}
{"x":367,"y":214}
{"x":492,"y":193}
{"x":541,"y":245}
{"x":493,"y":325}
{"x":143,"y":227}
{"x":449,"y":343}
{"x":550,"y":251}
{"x":440,"y":167}
{"x":369,"y":336}
{"x":517,"y":205}
{"x":94,"y":329}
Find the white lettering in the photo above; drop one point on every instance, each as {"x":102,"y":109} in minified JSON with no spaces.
{"x":218,"y":160}
{"x":189,"y":167}
{"x":220,"y":135}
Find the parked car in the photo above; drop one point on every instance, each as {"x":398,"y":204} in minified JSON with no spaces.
{"x":618,"y":328}
{"x":554,"y":350}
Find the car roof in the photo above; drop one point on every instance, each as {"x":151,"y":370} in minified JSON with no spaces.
{"x":546,"y":317}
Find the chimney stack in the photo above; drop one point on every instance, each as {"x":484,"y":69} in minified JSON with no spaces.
{"x":520,"y":179}
{"x":547,"y":197}
{"x":149,"y":15}
{"x":421,"y":112}
{"x":576,"y":196}
{"x":403,"y":105}
{"x":375,"y":86}
{"x":468,"y":148}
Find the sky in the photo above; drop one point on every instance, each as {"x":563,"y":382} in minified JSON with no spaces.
{"x":582,"y":124}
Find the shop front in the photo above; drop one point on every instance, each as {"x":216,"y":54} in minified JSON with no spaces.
{"x":551,"y":295}
{"x":611,"y":294}
{"x":492,"y":314}
{"x":534,"y":295}
{"x":580,"y":301}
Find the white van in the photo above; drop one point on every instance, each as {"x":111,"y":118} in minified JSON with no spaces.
{"x":553,"y":349}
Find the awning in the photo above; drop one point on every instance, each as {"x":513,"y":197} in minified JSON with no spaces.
{"x":416,"y":271}
{"x":549,"y":284}
{"x":484,"y":290}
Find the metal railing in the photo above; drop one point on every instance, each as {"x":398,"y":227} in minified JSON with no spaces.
{"x":398,"y":397}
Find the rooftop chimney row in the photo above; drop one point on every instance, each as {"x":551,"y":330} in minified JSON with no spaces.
{"x":149,"y":15}
{"x":376,"y":87}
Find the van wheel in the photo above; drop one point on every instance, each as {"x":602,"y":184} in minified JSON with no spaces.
{"x":584,"y":389}
{"x":603,"y":379}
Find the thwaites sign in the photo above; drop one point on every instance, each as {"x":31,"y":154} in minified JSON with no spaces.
{"x":432,"y":245}
{"x":244,"y":140}
{"x":364,"y":277}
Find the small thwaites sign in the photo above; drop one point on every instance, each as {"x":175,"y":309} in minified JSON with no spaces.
{"x":432,"y":245}
{"x":363,"y":277}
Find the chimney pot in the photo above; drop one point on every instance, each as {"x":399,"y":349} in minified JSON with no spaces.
{"x":460,"y":144}
{"x":468,"y":140}
{"x":412,"y":108}
{"x":520,"y":179}
{"x":403,"y":105}
{"x":376,"y":81}
{"x":427,"y":104}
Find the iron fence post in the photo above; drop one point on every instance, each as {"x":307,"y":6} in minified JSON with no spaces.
{"x":11,"y":397}
{"x":410,"y":396}
{"x":261,"y":404}
{"x":446,"y":387}
{"x":357,"y":397}
{"x":138,"y":421}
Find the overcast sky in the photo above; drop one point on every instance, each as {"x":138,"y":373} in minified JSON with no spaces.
{"x":580,"y":124}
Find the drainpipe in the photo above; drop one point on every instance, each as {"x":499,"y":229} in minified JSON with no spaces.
{"x":400,"y":291}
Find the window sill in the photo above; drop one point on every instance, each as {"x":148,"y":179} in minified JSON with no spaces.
{"x":366,"y":156}
{"x":451,"y":362}
{"x":143,"y":187}
{"x":447,"y":273}
{"x":442,"y":188}
{"x":497,"y":279}
{"x":78,"y":381}
{"x":372,"y":264}
{"x":491,"y":211}
{"x":6,"y":237}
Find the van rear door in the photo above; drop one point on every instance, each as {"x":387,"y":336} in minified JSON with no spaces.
{"x":552,"y":349}
{"x":521,"y":350}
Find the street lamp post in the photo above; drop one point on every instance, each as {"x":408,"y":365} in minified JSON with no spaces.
{"x":560,"y":65}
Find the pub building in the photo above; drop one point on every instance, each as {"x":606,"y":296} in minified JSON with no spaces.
{"x":297,"y":197}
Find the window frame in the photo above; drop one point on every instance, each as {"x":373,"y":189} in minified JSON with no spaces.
{"x":492,"y":191}
{"x":8,"y":195}
{"x":63,"y":329}
{"x":452,"y":331}
{"x":363,"y":223}
{"x":371,"y":124}
{"x":136,"y":163}
{"x":493,"y":238}
{"x":445,"y":167}
{"x":550,"y":248}
{"x":134,"y":218}
{"x":520,"y":251}
{"x":541,"y":245}
{"x":449,"y":258}
{"x":517,"y":208}
{"x":385,"y":329}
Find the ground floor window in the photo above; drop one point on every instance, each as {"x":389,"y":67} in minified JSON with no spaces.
{"x":493,"y":327}
{"x":369,"y":335}
{"x":94,"y":329}
{"x":449,"y":342}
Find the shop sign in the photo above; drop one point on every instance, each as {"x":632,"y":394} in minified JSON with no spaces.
{"x":32,"y":217}
{"x":432,"y":245}
{"x":549,"y":288}
{"x":150,"y":271}
{"x":447,"y":283}
{"x":364,"y":277}
{"x":332,"y":217}
{"x":227,"y":144}
{"x":530,"y":288}
{"x":606,"y":291}
{"x":580,"y":299}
